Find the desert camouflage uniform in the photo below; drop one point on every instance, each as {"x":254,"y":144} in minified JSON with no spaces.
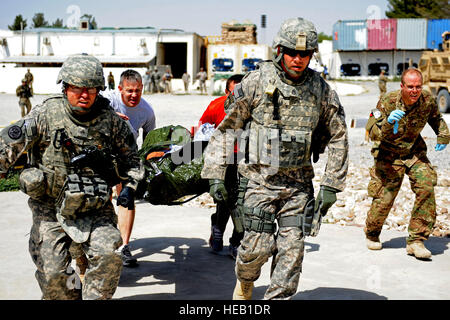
{"x":279,"y":118}
{"x":382,"y":84}
{"x":403,"y":153}
{"x":24,"y":94}
{"x":51,"y":233}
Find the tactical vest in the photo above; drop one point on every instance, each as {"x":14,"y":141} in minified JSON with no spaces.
{"x":283,"y":121}
{"x":56,"y":158}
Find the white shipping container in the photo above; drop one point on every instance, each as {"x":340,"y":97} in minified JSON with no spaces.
{"x":222,"y":59}
{"x":251,"y":54}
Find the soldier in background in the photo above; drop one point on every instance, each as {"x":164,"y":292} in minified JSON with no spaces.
{"x":146,"y":82}
{"x":202,"y":76}
{"x":289,"y":114}
{"x":111,"y":82}
{"x":167,"y":81}
{"x":24,"y":93}
{"x":154,"y":81}
{"x":186,"y":77}
{"x":29,"y":78}
{"x":399,"y":149}
{"x":382,"y":79}
{"x":71,"y":140}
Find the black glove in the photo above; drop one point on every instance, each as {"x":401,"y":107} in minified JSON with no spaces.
{"x":327,"y":195}
{"x":217,"y":190}
{"x":126,"y":198}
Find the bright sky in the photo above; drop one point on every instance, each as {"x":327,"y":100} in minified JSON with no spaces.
{"x":203,"y":17}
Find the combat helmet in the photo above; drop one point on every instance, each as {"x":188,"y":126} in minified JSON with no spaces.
{"x":82,"y":70}
{"x":296,"y":34}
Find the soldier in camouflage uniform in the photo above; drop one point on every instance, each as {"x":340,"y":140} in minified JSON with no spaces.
{"x":382,"y":79}
{"x":288,"y":113}
{"x":24,"y":93}
{"x":73,"y":204}
{"x":399,"y":149}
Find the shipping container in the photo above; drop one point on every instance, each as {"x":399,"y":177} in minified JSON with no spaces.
{"x":350,"y":35}
{"x":251,"y":54}
{"x":436,"y":27}
{"x":381,"y":34}
{"x":411,"y":34}
{"x":222,"y":59}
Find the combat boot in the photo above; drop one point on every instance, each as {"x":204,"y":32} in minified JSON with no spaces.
{"x":243,"y":290}
{"x":373,"y":245}
{"x":418,"y":250}
{"x":216,"y":239}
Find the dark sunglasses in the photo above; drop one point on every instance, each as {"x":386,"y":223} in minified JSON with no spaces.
{"x":293,"y":53}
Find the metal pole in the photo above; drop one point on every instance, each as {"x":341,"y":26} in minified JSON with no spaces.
{"x":21,"y":32}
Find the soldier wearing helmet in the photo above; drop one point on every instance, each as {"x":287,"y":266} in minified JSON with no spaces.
{"x":70,"y":139}
{"x":288,"y":114}
{"x":24,"y":93}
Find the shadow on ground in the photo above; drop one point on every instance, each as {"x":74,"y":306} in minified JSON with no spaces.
{"x":436,"y":245}
{"x":196,"y":272}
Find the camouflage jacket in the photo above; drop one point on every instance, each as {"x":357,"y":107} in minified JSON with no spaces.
{"x":23,"y":91}
{"x":37,"y":134}
{"x":407,"y":144}
{"x":382,"y":81}
{"x":290,"y":121}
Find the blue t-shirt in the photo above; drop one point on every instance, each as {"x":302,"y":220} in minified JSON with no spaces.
{"x":141,"y":116}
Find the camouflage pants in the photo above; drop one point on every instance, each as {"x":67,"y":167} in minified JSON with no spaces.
{"x":49,"y":249}
{"x":25,"y":106}
{"x":286,"y":247}
{"x":385,"y":183}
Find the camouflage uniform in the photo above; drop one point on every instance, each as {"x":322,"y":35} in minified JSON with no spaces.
{"x":29,"y":78}
{"x":24,"y":93}
{"x":279,"y":117}
{"x":382,"y":84}
{"x":403,"y":153}
{"x":53,"y":233}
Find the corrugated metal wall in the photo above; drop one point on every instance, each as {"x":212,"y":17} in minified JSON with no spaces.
{"x":411,"y":34}
{"x":350,"y":35}
{"x":382,"y":34}
{"x":435,"y":29}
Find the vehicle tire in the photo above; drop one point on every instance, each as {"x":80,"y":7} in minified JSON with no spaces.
{"x":443,"y":101}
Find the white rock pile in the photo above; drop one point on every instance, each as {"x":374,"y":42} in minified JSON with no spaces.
{"x":353,"y":203}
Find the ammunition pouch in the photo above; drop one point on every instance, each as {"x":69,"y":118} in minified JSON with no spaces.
{"x":237,"y":214}
{"x":285,"y":149}
{"x":256,"y":219}
{"x":99,"y":162}
{"x":32,"y":182}
{"x":82,"y":194}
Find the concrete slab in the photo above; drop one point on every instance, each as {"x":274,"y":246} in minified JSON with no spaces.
{"x":175,"y":262}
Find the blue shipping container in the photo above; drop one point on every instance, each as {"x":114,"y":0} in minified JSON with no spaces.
{"x":411,"y":34}
{"x":436,"y":28}
{"x":350,"y":35}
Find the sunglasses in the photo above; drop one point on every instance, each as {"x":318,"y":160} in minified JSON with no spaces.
{"x":79,"y":90}
{"x":293,"y":53}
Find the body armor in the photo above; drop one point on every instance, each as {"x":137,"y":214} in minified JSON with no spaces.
{"x":282,"y":123}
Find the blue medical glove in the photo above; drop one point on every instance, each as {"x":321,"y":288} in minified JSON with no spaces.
{"x":440,"y":147}
{"x":395,"y":115}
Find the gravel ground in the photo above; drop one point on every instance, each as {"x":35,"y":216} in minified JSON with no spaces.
{"x":352,"y":205}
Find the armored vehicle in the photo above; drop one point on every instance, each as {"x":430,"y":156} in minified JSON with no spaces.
{"x":435,"y":67}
